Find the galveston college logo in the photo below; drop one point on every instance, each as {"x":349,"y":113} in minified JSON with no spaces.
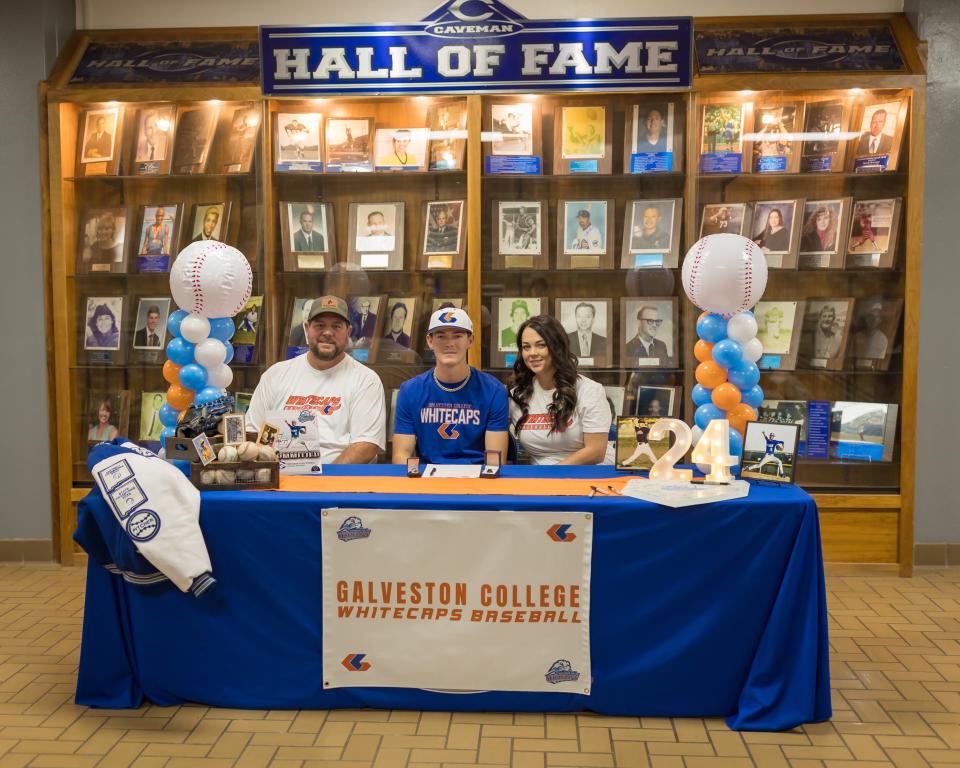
{"x":352,"y":528}
{"x":448,"y":317}
{"x":561,"y":672}
{"x":474,"y":18}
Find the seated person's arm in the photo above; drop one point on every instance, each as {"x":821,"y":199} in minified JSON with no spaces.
{"x":404,"y":433}
{"x":497,"y":441}
{"x":368,"y":416}
{"x":358,"y":453}
{"x":496,"y":437}
{"x":403,"y":447}
{"x":594,"y":449}
{"x":595,"y":418}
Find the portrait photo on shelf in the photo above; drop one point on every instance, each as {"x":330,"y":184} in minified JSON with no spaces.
{"x":880,"y":122}
{"x":296,"y":334}
{"x":238,"y":137}
{"x":826,"y":329}
{"x":209,"y":221}
{"x":653,"y":141}
{"x":366,"y":322}
{"x":775,"y":137}
{"x":823,"y":234}
{"x":247,"y":326}
{"x":874,"y":233}
{"x":150,"y":424}
{"x":510,"y":312}
{"x":778,"y":329}
{"x":651,"y":234}
{"x":158,"y":237}
{"x":776,"y":229}
{"x":349,"y":144}
{"x":725,"y":219}
{"x":824,"y":125}
{"x":583,"y":232}
{"x":397,"y":342}
{"x":108,"y":415}
{"x":657,"y":402}
{"x":722,"y":145}
{"x":863,"y":431}
{"x":447,"y":123}
{"x":196,"y":124}
{"x":400,"y":149}
{"x":873,"y":332}
{"x":513,"y":125}
{"x":150,"y":323}
{"x":299,"y":141}
{"x":376,"y":235}
{"x":648,"y":337}
{"x":770,"y":452}
{"x":98,"y":142}
{"x":101,"y":241}
{"x":635,"y":450}
{"x":521,"y":228}
{"x":103,"y":320}
{"x":308,"y":236}
{"x":589,"y":324}
{"x":153,"y":144}
{"x":444,"y":243}
{"x":582,"y":139}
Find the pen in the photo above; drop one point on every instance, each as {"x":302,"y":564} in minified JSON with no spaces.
{"x":433,"y":471}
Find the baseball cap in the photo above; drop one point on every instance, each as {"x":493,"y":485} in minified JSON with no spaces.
{"x":450,"y":318}
{"x":329,"y":305}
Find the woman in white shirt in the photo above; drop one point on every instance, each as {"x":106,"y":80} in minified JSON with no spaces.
{"x":558,"y":416}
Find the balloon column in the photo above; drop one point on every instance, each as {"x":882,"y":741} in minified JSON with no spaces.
{"x":210,"y":282}
{"x":725,"y":275}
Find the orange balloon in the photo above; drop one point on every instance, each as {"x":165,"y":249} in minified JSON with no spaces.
{"x":726,"y":396}
{"x":743,"y":411}
{"x":710,"y":375}
{"x":171,"y":372}
{"x":703,"y":351}
{"x":737,"y":423}
{"x":179,"y":396}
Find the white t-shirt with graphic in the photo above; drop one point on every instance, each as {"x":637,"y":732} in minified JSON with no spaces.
{"x":591,"y":415}
{"x":344,"y":404}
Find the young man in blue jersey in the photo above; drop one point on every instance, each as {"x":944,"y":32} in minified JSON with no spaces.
{"x":452,"y":413}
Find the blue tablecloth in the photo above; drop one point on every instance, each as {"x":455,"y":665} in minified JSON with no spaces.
{"x":709,"y":611}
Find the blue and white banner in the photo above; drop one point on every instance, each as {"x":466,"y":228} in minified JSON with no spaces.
{"x":469,"y":46}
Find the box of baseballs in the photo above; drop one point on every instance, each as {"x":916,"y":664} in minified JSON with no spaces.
{"x":247,"y":466}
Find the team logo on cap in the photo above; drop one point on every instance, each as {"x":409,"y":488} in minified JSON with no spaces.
{"x":448,"y":317}
{"x":329,"y":301}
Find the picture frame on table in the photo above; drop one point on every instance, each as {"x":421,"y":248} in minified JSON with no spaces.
{"x":298,"y":141}
{"x":516,"y":141}
{"x":196,"y":124}
{"x":234,"y":428}
{"x":874,"y":233}
{"x":880,"y":122}
{"x":100,"y":128}
{"x":588,"y":323}
{"x":723,"y":147}
{"x":242,"y":401}
{"x":725,"y":218}
{"x":150,"y":424}
{"x":582,"y":139}
{"x":101,"y":241}
{"x":635,"y":451}
{"x":400,"y":149}
{"x":509,"y":313}
{"x":826,"y":331}
{"x":150,"y":324}
{"x":366,"y":325}
{"x":247,"y":331}
{"x":824,"y":232}
{"x":521,"y":239}
{"x":649,"y":332}
{"x":653,"y":137}
{"x":348,"y":144}
{"x":778,"y":329}
{"x":775,"y":227}
{"x":238,"y":138}
{"x":307,"y":236}
{"x":775,"y":137}
{"x":651,"y":234}
{"x":375,"y":236}
{"x":397,"y":342}
{"x":152,"y":152}
{"x":656,"y":402}
{"x":159,"y":236}
{"x":824,"y":148}
{"x":770,"y":452}
{"x":585,"y":234}
{"x":447,"y":123}
{"x":444,"y":242}
{"x":873,"y":332}
{"x":209,"y":221}
{"x":296,"y":318}
{"x":107,"y":415}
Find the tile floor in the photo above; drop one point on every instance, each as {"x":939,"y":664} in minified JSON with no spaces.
{"x":896,"y":698}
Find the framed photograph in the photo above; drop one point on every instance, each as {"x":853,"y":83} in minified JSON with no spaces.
{"x":234,"y":428}
{"x":583,"y":139}
{"x":776,"y":229}
{"x":874,"y":232}
{"x":521,"y":231}
{"x":826,"y":328}
{"x":376,"y":236}
{"x":725,"y":218}
{"x":615,"y":399}
{"x":308,"y":236}
{"x":512,"y":136}
{"x":785,"y":412}
{"x":873,"y":332}
{"x":880,"y":122}
{"x":770,"y":452}
{"x":150,"y":425}
{"x":778,"y":328}
{"x":775,"y":137}
{"x":653,"y":141}
{"x":658,"y":402}
{"x":585,"y":234}
{"x":824,"y":125}
{"x":722,"y":145}
{"x":247,"y":325}
{"x":648,"y":337}
{"x":863,"y":431}
{"x":158,"y":237}
{"x":509,"y":313}
{"x":589,"y":327}
{"x":150,"y":325}
{"x":98,"y":143}
{"x":296,"y":335}
{"x":102,"y":240}
{"x":349,"y":144}
{"x":196,"y":124}
{"x":242,"y":401}
{"x":401,"y":149}
{"x":108,"y":415}
{"x":635,"y":449}
{"x":447,"y":123}
{"x":209,"y":221}
{"x":823,"y":234}
{"x":444,"y":243}
{"x":651,"y":234}
{"x":397,"y":342}
{"x":299,"y":145}
{"x":153,"y":144}
{"x":238,"y":138}
{"x":366,"y":324}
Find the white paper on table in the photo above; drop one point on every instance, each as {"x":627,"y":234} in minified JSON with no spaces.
{"x":452,"y":470}
{"x":671,"y":493}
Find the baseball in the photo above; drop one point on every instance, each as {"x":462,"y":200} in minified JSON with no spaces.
{"x":244,"y":475}
{"x":208,"y":476}
{"x":226,"y":476}
{"x":248,"y":451}
{"x":227,"y":454}
{"x":266,"y":453}
{"x":211,"y":279}
{"x":724,"y":274}
{"x":263,"y":475}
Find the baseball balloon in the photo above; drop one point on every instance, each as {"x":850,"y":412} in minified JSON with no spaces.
{"x":210,"y":353}
{"x":195,"y":328}
{"x":753,"y":350}
{"x":742,"y":327}
{"x":211,"y":279}
{"x":725,"y":274}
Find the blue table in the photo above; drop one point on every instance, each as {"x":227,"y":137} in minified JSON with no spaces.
{"x":709,"y":611}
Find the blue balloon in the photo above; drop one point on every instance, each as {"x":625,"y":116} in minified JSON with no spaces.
{"x":701,"y":395}
{"x":727,"y":353}
{"x":173,"y":322}
{"x":229,"y":357}
{"x":208,"y":395}
{"x":736,"y":443}
{"x":745,"y":375}
{"x":193,"y":376}
{"x":707,"y":413}
{"x":167,"y":432}
{"x":712,"y":328}
{"x":222,"y":328}
{"x":180,"y":350}
{"x":752,"y":397}
{"x":168,"y":415}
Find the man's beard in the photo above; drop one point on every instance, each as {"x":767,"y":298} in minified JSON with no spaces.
{"x":314,"y":348}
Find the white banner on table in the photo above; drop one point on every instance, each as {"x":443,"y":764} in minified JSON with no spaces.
{"x":488,"y":600}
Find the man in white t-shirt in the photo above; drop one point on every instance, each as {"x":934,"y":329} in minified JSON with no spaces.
{"x":339,"y":400}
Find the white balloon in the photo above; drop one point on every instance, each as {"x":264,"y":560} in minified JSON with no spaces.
{"x":195,"y":328}
{"x":211,"y":279}
{"x":210,"y":353}
{"x":221,"y":376}
{"x":742,"y":327}
{"x":724,"y":274}
{"x":752,"y":350}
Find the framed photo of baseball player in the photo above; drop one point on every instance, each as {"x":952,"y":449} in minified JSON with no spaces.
{"x":520,"y":242}
{"x":776,"y":229}
{"x":770,"y":452}
{"x":153,"y":145}
{"x":366,"y":323}
{"x":585,"y":234}
{"x":583,"y":139}
{"x":863,"y":431}
{"x":98,"y":142}
{"x":826,"y":329}
{"x":588,"y":323}
{"x":247,"y":324}
{"x":823,"y":233}
{"x":447,"y":123}
{"x":778,"y":328}
{"x":509,"y":313}
{"x":874,"y":232}
{"x":348,"y":143}
{"x":516,"y":142}
{"x":396,"y":343}
{"x":308,"y":236}
{"x":873,"y":332}
{"x":635,"y":450}
{"x":101,"y":240}
{"x":648,"y":332}
{"x":879,"y":122}
{"x":196,"y":124}
{"x":653,"y":140}
{"x":651,"y":234}
{"x":443,"y":245}
{"x":723,"y":148}
{"x":775,"y":141}
{"x":725,"y":218}
{"x":824,"y":124}
{"x":375,"y":236}
{"x":298,"y":140}
{"x":238,"y":137}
